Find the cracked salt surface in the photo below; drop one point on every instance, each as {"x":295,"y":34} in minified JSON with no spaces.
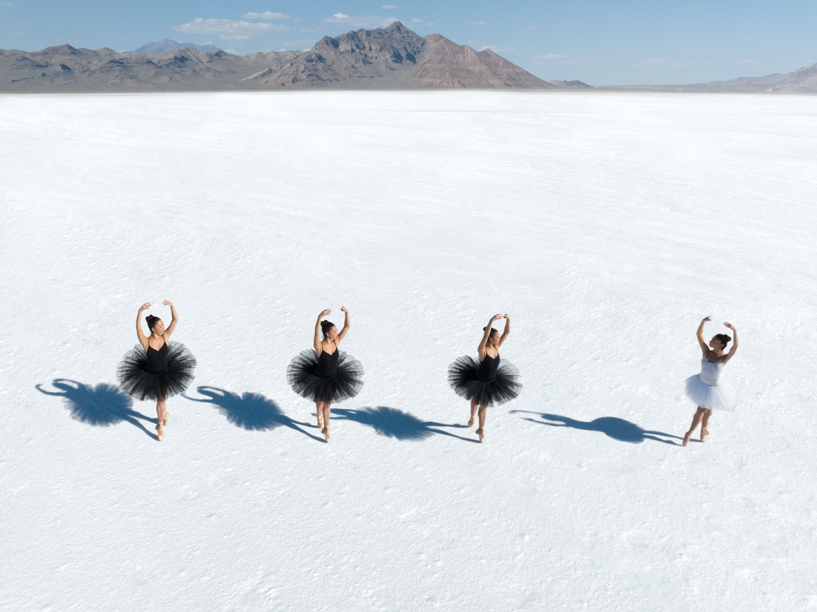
{"x":606,"y":225}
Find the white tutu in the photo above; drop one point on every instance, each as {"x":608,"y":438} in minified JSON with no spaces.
{"x":721,"y":396}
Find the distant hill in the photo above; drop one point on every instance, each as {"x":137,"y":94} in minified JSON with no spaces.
{"x":171,"y":45}
{"x":383,"y":58}
{"x":571,"y":85}
{"x":803,"y":80}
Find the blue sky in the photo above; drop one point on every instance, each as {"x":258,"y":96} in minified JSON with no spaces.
{"x":599,"y":42}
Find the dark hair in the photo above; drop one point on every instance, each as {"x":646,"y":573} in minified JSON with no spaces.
{"x":151,"y":321}
{"x":326,"y":327}
{"x":723,"y":338}
{"x":493,"y":331}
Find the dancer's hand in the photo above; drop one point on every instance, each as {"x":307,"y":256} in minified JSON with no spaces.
{"x":167,"y":303}
{"x":506,"y":317}
{"x":343,"y":309}
{"x":326,"y":313}
{"x":730,"y":326}
{"x":705,"y":319}
{"x":496,"y":317}
{"x":144,"y":307}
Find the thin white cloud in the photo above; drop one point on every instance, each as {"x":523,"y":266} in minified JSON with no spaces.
{"x":300,"y":44}
{"x":228,"y":27}
{"x":477,"y":23}
{"x":552,"y":56}
{"x":388,"y":7}
{"x":496,"y":49}
{"x":415,"y":20}
{"x":533,"y":27}
{"x":748,"y":62}
{"x":662,"y":63}
{"x":422,"y":22}
{"x":266,"y":15}
{"x":7,"y":4}
{"x":366,"y":21}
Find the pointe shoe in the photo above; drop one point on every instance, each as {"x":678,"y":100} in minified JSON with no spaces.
{"x":704,"y":434}
{"x":325,"y":432}
{"x":687,"y":436}
{"x":471,"y":422}
{"x":159,"y":433}
{"x":164,"y":422}
{"x":481,"y":435}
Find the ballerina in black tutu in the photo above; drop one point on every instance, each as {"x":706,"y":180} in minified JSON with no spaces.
{"x":325,"y":375}
{"x":485,"y":382}
{"x":155,"y":369}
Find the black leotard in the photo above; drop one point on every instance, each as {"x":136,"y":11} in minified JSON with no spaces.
{"x":487,"y":368}
{"x":156,"y":360}
{"x":327,"y":364}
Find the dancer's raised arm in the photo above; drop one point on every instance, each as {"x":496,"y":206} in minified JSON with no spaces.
{"x":700,"y":334}
{"x":316,"y":342}
{"x":175,"y":319}
{"x":139,"y":333}
{"x":734,"y":348}
{"x":507,"y":331}
{"x":486,"y":335}
{"x":346,"y":324}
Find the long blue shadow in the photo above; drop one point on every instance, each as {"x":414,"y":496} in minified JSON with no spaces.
{"x":251,"y":411}
{"x":618,"y":429}
{"x":394,"y":423}
{"x":101,"y":406}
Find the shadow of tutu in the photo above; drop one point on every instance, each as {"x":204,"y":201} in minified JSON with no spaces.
{"x":101,"y":406}
{"x":394,"y":423}
{"x":251,"y":411}
{"x":613,"y":427}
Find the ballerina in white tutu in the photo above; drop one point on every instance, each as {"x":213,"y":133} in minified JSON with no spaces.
{"x":706,"y":389}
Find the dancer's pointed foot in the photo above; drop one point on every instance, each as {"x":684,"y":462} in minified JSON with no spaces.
{"x":164,"y":421}
{"x":471,"y":422}
{"x":687,"y":436}
{"x":704,"y":434}
{"x":160,"y":433}
{"x":325,"y":433}
{"x":481,"y":435}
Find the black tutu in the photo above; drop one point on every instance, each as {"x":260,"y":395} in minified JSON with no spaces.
{"x":143,"y":385}
{"x":462,"y":376}
{"x":345,"y":384}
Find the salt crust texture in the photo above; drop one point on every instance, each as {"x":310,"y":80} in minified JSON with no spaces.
{"x":606,"y":225}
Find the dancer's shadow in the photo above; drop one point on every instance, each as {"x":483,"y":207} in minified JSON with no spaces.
{"x":397,"y":424}
{"x":103,"y":405}
{"x":251,"y":411}
{"x":618,"y":429}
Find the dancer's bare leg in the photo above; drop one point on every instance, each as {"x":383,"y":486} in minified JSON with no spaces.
{"x":474,"y":407}
{"x":319,"y":410}
{"x":161,"y":418}
{"x":699,"y":413}
{"x":483,"y":410}
{"x":327,"y":407}
{"x":704,"y":423}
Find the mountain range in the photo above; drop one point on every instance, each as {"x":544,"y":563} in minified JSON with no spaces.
{"x":171,"y":45}
{"x":384,"y":58}
{"x":803,"y":80}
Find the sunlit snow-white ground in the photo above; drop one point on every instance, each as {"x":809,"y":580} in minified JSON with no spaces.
{"x":606,"y":225}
